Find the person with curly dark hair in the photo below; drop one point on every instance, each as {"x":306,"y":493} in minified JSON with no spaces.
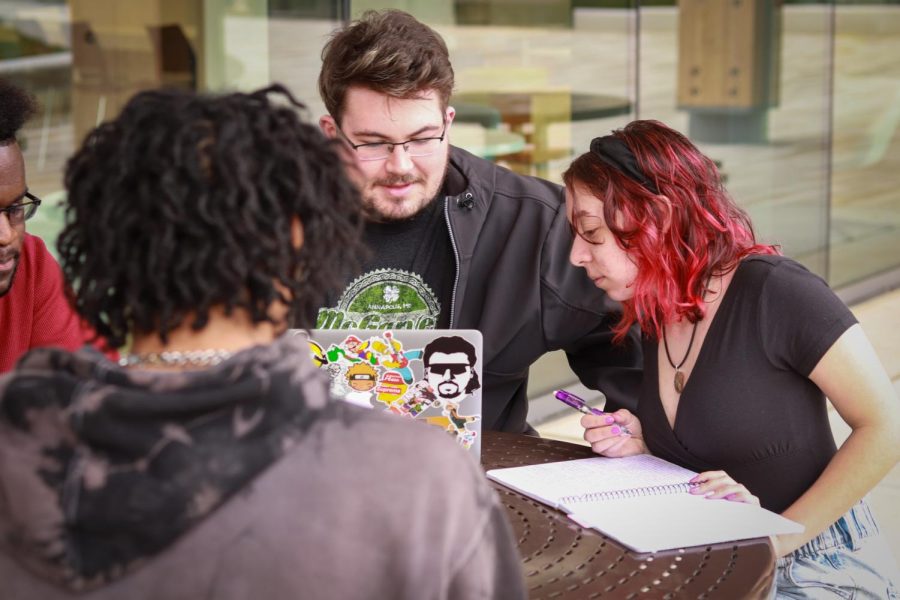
{"x":33,"y":312}
{"x":210,"y":461}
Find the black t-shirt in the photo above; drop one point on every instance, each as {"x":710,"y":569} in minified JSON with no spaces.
{"x":748,"y":407}
{"x":407,"y":282}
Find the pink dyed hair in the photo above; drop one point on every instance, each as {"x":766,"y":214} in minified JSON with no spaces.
{"x":679,"y":238}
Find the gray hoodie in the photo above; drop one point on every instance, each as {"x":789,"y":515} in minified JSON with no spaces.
{"x":244,"y":480}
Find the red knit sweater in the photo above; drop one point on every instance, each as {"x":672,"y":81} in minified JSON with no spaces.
{"x":35,"y":312}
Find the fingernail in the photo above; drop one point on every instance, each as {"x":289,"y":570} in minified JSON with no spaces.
{"x":610,"y":420}
{"x":615,"y":431}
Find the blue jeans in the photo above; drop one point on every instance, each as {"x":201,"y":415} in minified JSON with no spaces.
{"x":850,"y":559}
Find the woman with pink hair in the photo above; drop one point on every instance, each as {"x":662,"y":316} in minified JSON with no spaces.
{"x":741,"y":348}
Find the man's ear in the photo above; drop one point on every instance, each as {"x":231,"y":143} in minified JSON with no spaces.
{"x":296,"y":232}
{"x":450,"y":115}
{"x":328,"y":126}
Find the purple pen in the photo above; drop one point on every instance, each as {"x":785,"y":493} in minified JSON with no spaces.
{"x":582,"y":406}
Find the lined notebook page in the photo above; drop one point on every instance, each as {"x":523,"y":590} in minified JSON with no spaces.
{"x":551,"y":482}
{"x":652,"y":523}
{"x":645,"y":523}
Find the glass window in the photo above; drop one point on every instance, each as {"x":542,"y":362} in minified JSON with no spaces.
{"x":797,"y":101}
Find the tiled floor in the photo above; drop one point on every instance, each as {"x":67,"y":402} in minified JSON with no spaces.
{"x":880,"y":318}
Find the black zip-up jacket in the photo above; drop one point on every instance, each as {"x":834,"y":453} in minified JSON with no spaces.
{"x":514,"y":283}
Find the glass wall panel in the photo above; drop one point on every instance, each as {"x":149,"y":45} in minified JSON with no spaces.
{"x":748,"y":82}
{"x":536,"y":80}
{"x":792,"y":207}
{"x":36,"y":54}
{"x":799,"y":102}
{"x":865,"y":220}
{"x":83,"y":59}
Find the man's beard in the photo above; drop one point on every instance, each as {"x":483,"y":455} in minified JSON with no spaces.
{"x":371,"y":214}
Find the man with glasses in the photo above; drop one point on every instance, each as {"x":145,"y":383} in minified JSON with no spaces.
{"x":457,"y":242}
{"x":33,"y":308}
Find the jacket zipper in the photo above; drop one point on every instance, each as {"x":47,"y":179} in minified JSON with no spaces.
{"x":455,"y":256}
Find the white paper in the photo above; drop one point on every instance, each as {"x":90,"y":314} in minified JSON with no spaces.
{"x":551,"y":482}
{"x":660,"y":520}
{"x":652,"y":523}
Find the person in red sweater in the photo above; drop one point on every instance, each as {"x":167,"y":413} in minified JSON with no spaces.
{"x":34,"y":311}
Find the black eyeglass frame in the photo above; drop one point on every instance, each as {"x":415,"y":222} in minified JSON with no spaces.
{"x":28,"y":209}
{"x":356,"y":147}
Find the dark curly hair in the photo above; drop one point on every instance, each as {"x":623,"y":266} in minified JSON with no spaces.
{"x":16,"y":107}
{"x":185,"y":202}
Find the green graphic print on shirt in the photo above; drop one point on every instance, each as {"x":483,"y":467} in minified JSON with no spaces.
{"x":383,"y":299}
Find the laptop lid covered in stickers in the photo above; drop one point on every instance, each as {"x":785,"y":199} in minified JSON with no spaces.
{"x":429,"y":375}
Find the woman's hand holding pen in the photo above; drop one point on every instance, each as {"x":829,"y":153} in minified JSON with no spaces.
{"x":614,"y":434}
{"x":718,"y":484}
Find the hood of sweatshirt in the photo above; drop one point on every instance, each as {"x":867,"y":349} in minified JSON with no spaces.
{"x":103,"y":467}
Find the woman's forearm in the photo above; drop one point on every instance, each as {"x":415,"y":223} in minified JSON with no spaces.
{"x":859,"y":465}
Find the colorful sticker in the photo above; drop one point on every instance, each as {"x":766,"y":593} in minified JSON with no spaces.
{"x":430,"y":384}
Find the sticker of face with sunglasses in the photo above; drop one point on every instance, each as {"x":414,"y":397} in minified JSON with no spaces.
{"x":449,"y":368}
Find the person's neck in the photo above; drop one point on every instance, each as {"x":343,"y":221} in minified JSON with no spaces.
{"x":230,"y":333}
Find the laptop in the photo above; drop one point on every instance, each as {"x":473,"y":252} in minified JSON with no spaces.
{"x":428,"y":375}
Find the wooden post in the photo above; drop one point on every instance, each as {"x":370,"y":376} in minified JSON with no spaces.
{"x":728,"y":67}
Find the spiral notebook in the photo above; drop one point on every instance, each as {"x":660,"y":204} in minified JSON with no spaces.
{"x":642,"y":501}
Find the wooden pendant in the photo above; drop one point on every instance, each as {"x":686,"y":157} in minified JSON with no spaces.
{"x":679,"y":381}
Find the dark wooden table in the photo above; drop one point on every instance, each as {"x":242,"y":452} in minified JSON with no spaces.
{"x":563,"y":560}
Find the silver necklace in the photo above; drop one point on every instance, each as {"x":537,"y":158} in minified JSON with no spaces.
{"x":177,"y":358}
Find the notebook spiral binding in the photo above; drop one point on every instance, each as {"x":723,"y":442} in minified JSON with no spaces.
{"x":655,"y":490}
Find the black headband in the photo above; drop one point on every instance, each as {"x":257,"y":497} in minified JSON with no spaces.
{"x":616,"y":154}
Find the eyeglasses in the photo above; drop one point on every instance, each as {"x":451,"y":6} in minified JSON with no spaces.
{"x":454,"y":368}
{"x":415,"y":147}
{"x":22,"y":211}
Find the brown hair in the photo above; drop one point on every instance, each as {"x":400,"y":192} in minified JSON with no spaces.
{"x":389,"y":52}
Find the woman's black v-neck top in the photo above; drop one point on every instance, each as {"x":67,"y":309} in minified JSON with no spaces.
{"x":748,"y":407}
